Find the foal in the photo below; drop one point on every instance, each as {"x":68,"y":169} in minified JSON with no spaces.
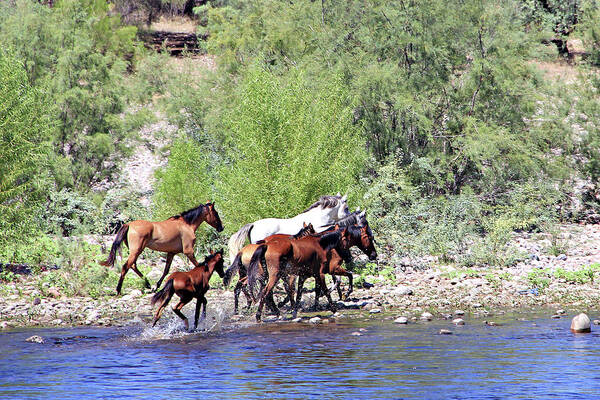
{"x":174,"y":235}
{"x":189,"y":285}
{"x":241,"y":262}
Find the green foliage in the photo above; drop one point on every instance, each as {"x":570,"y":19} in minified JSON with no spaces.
{"x":582,"y":275}
{"x":288,"y":145}
{"x":75,"y":52}
{"x":539,"y":279}
{"x":557,"y":16}
{"x":25,"y":129}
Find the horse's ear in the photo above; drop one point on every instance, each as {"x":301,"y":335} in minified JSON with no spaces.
{"x":357,"y":209}
{"x":362,"y":214}
{"x":344,"y":197}
{"x":338,"y":194}
{"x":304,"y":225}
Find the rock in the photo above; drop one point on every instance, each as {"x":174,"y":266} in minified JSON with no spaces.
{"x":556,"y":316}
{"x":270,"y":318}
{"x":401,"y":320}
{"x":35,"y":339}
{"x":458,"y":321}
{"x":135,"y":293}
{"x":402,"y":291}
{"x":560,"y":312}
{"x":356,"y":334}
{"x":477,"y":305}
{"x":36,"y":301}
{"x":581,"y":324}
{"x":561,"y":257}
{"x":596,"y":322}
{"x":445,"y":332}
{"x":56,"y":321}
{"x":459,"y":312}
{"x":490,"y":323}
{"x":297,"y":319}
{"x":426,"y":316}
{"x":374,"y":311}
{"x":54,"y":292}
{"x":315,"y":320}
{"x":534,"y":257}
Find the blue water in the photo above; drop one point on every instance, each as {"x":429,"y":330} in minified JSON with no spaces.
{"x":537,"y":358}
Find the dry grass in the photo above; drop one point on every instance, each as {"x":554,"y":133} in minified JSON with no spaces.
{"x":174,"y":24}
{"x":194,"y":65}
{"x":558,"y":70}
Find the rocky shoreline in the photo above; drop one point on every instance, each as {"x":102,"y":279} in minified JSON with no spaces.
{"x":443,"y":291}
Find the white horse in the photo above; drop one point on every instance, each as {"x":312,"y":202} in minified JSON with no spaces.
{"x":322,"y":214}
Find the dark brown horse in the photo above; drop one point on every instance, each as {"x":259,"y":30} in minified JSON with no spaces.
{"x":241,"y":262}
{"x":174,"y":235}
{"x":283,"y":257}
{"x":353,"y":235}
{"x":189,"y":285}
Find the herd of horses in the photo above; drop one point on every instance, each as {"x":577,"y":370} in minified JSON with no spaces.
{"x":314,"y":243}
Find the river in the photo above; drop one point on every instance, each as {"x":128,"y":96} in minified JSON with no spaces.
{"x":525,"y":356}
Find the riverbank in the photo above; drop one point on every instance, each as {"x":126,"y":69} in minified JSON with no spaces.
{"x":569,"y":280}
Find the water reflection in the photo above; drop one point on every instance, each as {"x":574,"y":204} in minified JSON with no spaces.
{"x":518,"y":359}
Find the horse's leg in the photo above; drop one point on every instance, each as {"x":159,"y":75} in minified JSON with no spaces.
{"x":200,"y":301}
{"x":301,"y":280}
{"x":273,"y":278}
{"x":323,"y":285}
{"x":161,"y":308}
{"x":166,"y":271}
{"x":177,"y":310}
{"x":188,"y":250}
{"x":337,"y":285}
{"x":134,"y":253}
{"x":137,"y":271}
{"x":236,"y":296}
{"x":350,"y":284}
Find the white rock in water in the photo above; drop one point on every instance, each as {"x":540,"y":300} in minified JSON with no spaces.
{"x":356,"y":334}
{"x":401,"y":320}
{"x":560,"y":312}
{"x":375,"y":311}
{"x":581,"y":324}
{"x":459,"y":312}
{"x":297,"y":319}
{"x":458,"y":321}
{"x":426,"y":316}
{"x":315,"y":320}
{"x":35,"y":339}
{"x":445,"y":332}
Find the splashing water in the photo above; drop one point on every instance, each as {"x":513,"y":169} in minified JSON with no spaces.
{"x":170,"y":326}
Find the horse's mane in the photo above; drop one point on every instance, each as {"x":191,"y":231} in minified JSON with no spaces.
{"x":325,"y":202}
{"x":301,"y":232}
{"x":330,"y":240}
{"x":190,"y":215}
{"x":210,"y":257}
{"x":351,"y":219}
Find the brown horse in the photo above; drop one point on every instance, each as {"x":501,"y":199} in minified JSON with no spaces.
{"x":174,"y":235}
{"x":189,"y":285}
{"x":353,"y":235}
{"x":241,"y":262}
{"x":303,"y":256}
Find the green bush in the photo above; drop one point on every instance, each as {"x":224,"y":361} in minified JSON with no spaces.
{"x":25,"y":131}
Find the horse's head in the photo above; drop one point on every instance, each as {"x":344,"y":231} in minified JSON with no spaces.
{"x":341,"y":210}
{"x":212,"y":217}
{"x":360,"y":236}
{"x":215,"y":262}
{"x":367,"y":242}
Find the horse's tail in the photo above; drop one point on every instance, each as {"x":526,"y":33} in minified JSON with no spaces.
{"x":235,"y":267}
{"x":121,"y":236}
{"x":166,"y":291}
{"x":253,"y":270}
{"x":236,"y":241}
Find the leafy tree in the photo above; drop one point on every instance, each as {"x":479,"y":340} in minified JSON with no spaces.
{"x":75,"y":51}
{"x":25,"y":129}
{"x":288,"y":145}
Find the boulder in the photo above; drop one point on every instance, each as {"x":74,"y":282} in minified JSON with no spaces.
{"x":581,"y":324}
